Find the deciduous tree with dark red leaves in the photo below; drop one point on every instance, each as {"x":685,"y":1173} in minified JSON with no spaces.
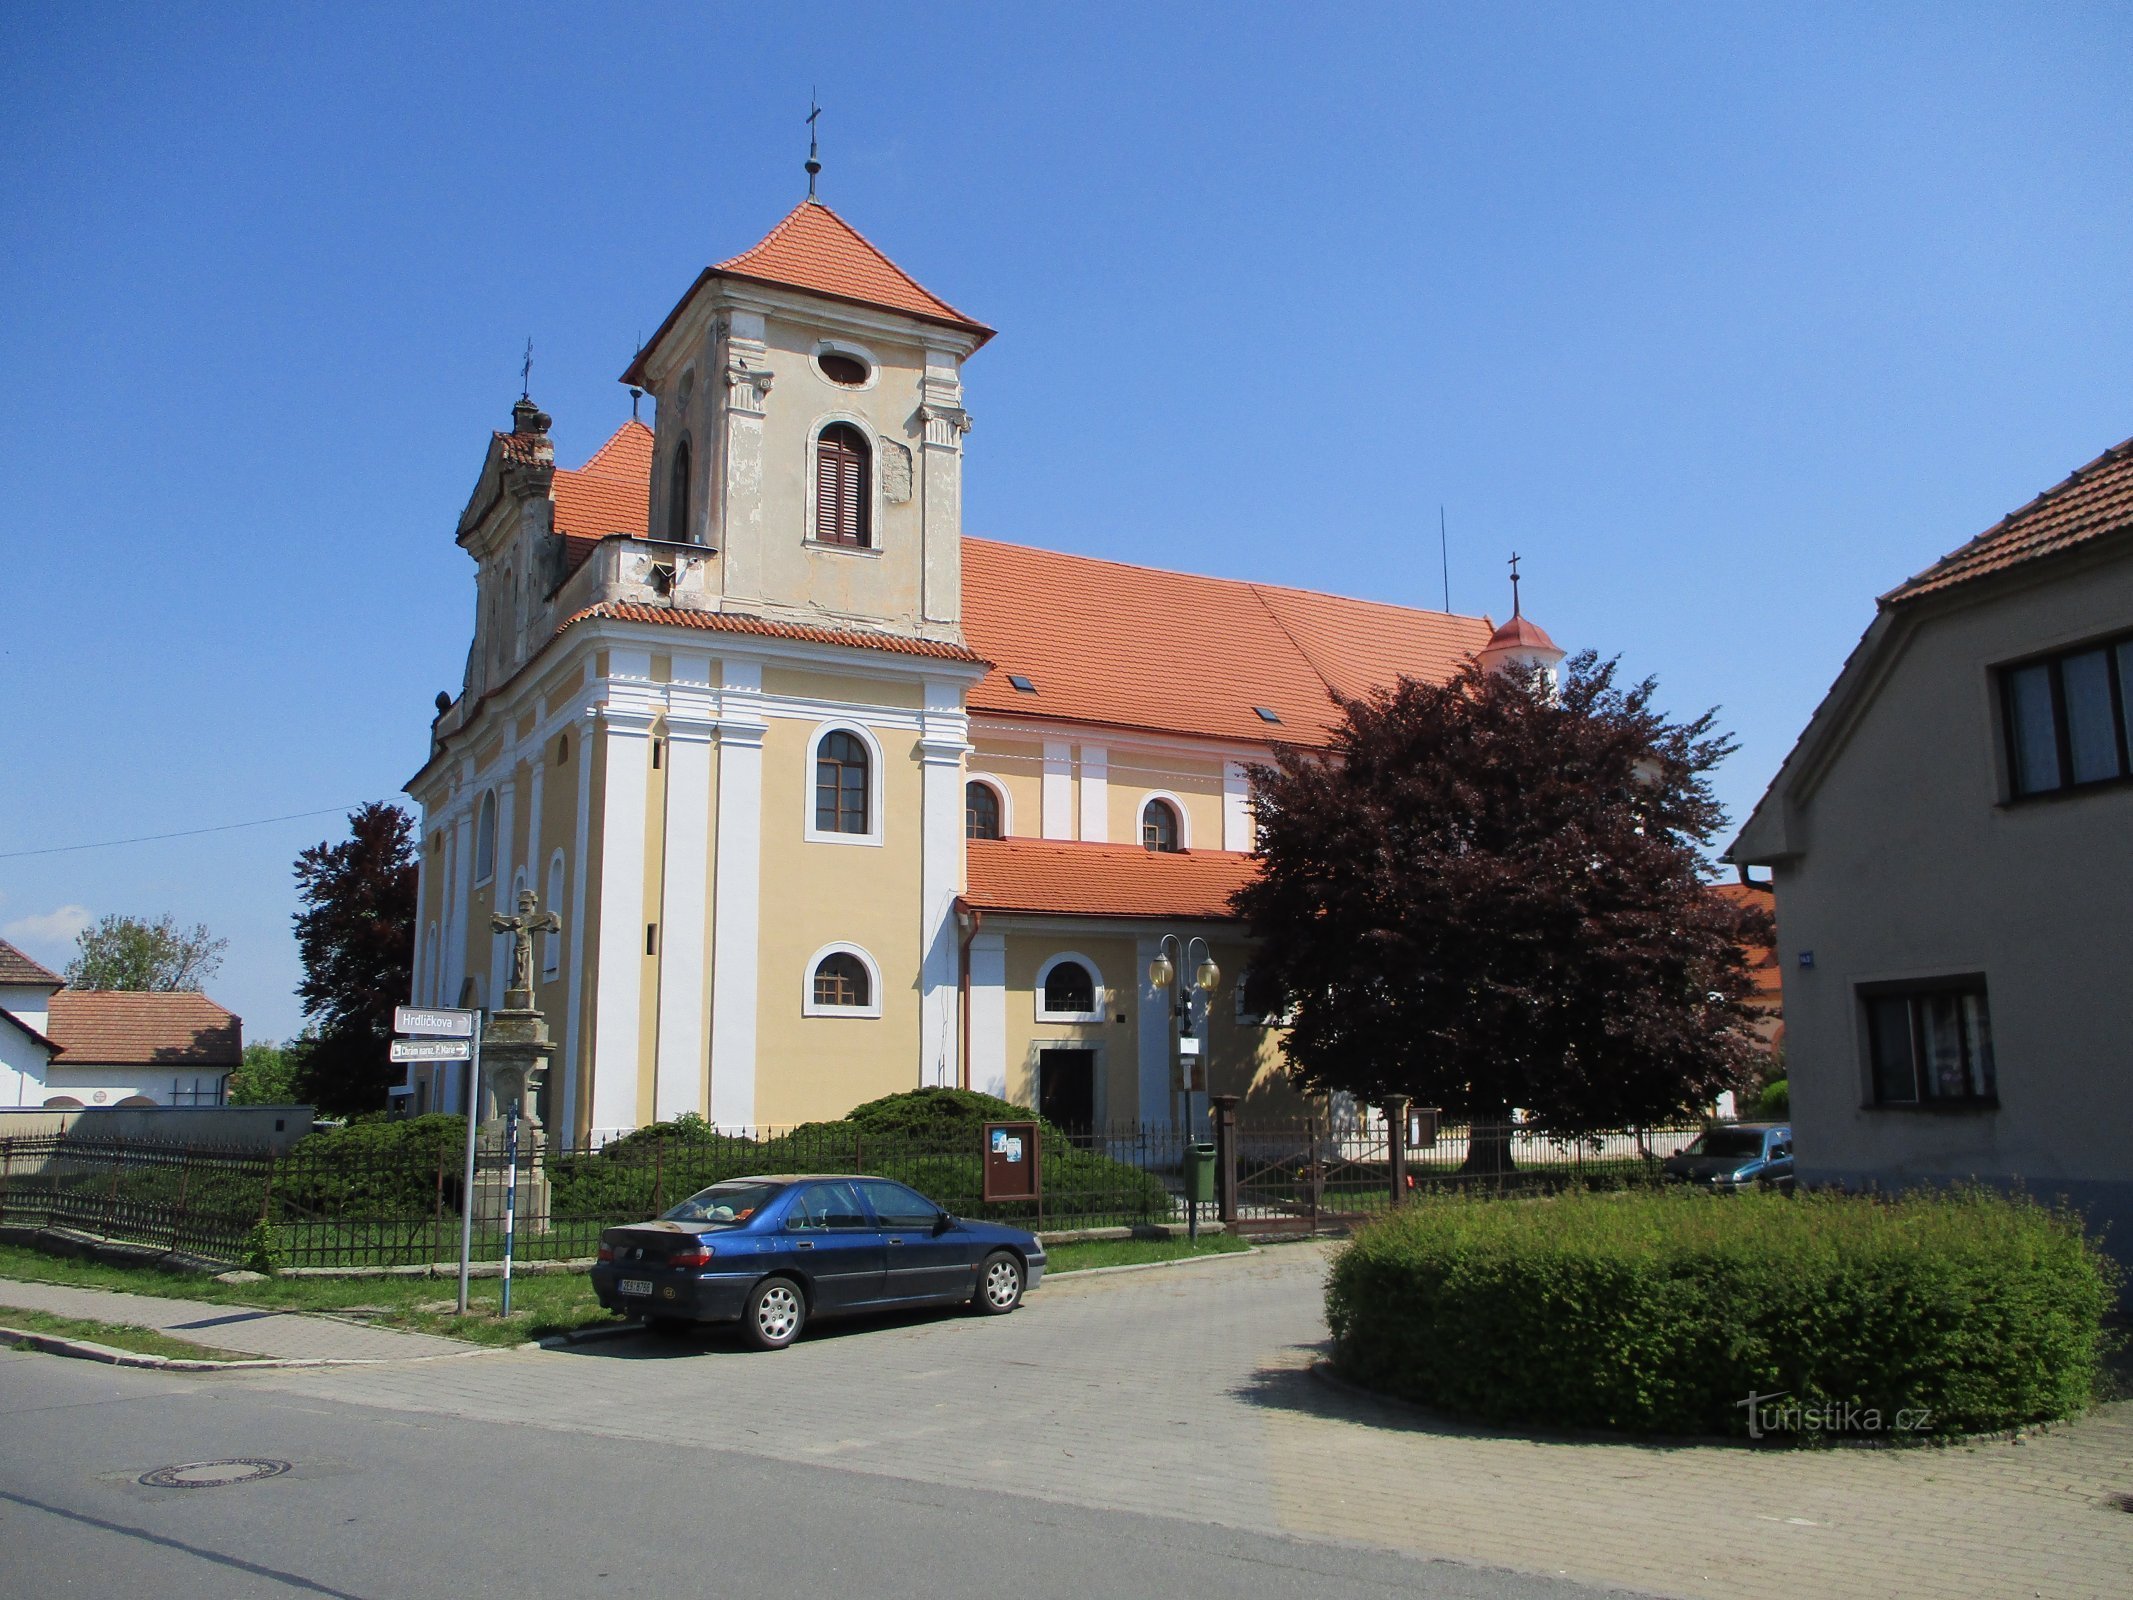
{"x":356,"y":935}
{"x":1493,"y":893}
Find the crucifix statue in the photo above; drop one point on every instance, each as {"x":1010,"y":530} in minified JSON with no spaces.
{"x":522,"y":928}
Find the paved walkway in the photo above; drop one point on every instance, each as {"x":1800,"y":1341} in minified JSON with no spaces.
{"x":245,"y":1329}
{"x":1186,"y":1393}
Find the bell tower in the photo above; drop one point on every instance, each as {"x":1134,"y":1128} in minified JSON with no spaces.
{"x":810,"y":432}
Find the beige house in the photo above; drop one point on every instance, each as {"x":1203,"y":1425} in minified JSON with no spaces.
{"x":1952,"y":844}
{"x":834,"y":800}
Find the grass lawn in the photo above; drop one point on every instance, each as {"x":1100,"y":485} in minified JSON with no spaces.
{"x":540,"y":1306}
{"x":118,"y":1335}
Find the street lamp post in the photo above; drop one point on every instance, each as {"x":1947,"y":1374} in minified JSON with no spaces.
{"x":1163,"y":973}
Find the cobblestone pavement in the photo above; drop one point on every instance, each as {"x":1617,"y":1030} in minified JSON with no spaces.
{"x":1187,"y":1393}
{"x":245,"y":1329}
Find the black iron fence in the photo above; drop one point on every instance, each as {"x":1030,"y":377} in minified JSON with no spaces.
{"x":325,"y":1204}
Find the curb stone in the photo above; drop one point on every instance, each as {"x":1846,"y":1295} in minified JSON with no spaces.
{"x":88,"y":1350}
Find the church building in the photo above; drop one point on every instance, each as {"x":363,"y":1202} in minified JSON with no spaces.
{"x":834,"y":800}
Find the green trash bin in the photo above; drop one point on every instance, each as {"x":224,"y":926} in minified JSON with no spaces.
{"x":1200,"y":1171}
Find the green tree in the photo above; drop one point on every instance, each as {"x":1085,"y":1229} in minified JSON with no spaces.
{"x":270,"y":1074}
{"x":356,"y":935}
{"x":119,"y":952}
{"x":1492,"y":894}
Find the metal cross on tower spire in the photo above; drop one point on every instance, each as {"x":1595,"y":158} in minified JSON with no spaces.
{"x":525,"y":372}
{"x":1514,"y":583}
{"x":814,"y":163}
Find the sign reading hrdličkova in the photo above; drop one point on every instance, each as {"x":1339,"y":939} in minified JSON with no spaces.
{"x":443,"y":1022}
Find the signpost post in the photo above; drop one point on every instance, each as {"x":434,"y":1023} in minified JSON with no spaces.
{"x":510,"y":1197}
{"x":455,"y":1035}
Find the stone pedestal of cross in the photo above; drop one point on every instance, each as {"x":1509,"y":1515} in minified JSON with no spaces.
{"x":515,"y":1048}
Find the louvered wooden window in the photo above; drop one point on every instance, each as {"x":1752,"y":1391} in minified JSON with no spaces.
{"x":841,"y":784}
{"x":843,"y":486}
{"x":981,"y":812}
{"x":841,"y":980}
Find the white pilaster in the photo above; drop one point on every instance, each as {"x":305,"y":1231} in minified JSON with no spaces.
{"x":1158,"y":1103}
{"x":942,"y":745}
{"x":626,"y":724}
{"x":742,"y":528}
{"x":737,"y":917}
{"x":1236,"y":807}
{"x":1058,"y":789}
{"x":536,"y":861}
{"x":945,"y":422}
{"x":462,"y":891}
{"x":988,"y":1013}
{"x":685,"y":921}
{"x":575,"y":949}
{"x":1095,"y":793}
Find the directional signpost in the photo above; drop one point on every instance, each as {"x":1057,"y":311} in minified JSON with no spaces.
{"x":450,"y":1034}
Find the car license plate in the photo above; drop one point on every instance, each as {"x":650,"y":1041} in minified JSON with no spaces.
{"x":635,"y":1286}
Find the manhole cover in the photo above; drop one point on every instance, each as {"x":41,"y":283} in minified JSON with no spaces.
{"x":213,"y":1474}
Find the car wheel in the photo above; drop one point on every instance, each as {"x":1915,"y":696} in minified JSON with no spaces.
{"x":776,"y":1312}
{"x":999,"y":1285}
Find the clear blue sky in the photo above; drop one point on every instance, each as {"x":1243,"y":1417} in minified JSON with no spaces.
{"x":1727,"y":319}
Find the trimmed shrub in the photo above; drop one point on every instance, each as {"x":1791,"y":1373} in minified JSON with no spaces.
{"x":1776,"y":1101}
{"x":1942,"y":1312}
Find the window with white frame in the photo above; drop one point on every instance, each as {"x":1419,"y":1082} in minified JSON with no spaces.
{"x":844,"y":487}
{"x":844,"y":786}
{"x":1162,"y":830}
{"x":981,"y":810}
{"x":842,"y":981}
{"x":552,"y":941}
{"x":1070,"y":989}
{"x":485,"y":838}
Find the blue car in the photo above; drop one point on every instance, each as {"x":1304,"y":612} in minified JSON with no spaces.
{"x":773,"y":1253}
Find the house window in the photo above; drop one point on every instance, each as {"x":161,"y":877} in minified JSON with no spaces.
{"x":485,"y":839}
{"x":843,"y":486}
{"x":678,"y":494}
{"x":1159,"y":826}
{"x":841,"y":981}
{"x":1931,"y":1045}
{"x":552,"y":941}
{"x":981,"y":811}
{"x":1068,"y":987}
{"x":2068,"y":718}
{"x":840,"y":784}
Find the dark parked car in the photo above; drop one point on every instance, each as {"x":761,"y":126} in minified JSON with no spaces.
{"x":1733,"y":1155}
{"x":771,"y":1253}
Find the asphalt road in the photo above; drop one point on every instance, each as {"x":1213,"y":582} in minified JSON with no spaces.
{"x":379,"y":1504}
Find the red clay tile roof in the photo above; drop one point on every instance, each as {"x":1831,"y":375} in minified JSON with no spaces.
{"x":527,"y":449}
{"x":611,"y":493}
{"x":110,"y":1028}
{"x":815,"y":249}
{"x":1108,"y":643}
{"x":1104,"y":880}
{"x":2094,"y":501}
{"x":738,"y":622}
{"x":15,"y":967}
{"x":1763,"y":964}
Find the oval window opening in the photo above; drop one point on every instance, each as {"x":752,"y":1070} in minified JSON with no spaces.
{"x":847,"y":370}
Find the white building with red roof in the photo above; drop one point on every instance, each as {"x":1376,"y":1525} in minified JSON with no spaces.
{"x":832,"y":798}
{"x":67,"y":1049}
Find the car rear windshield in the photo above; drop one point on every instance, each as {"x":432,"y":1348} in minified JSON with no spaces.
{"x":724,"y":1205}
{"x":1727,"y":1143}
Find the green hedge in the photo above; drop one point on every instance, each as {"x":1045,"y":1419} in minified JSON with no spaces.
{"x":1942,"y":1312}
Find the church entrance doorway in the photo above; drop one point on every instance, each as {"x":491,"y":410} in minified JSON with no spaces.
{"x":1066,"y":1089}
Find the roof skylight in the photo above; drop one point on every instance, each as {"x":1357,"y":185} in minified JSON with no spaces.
{"x":1266,"y":715}
{"x":1021,"y":683}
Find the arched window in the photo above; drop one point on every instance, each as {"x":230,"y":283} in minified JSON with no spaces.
{"x":1068,"y":987}
{"x":981,"y":811}
{"x":1159,"y":826}
{"x":840,"y":784}
{"x":63,"y":1102}
{"x":485,"y":839}
{"x":552,"y":942}
{"x":678,"y":494}
{"x":842,"y":981}
{"x":844,"y":486}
